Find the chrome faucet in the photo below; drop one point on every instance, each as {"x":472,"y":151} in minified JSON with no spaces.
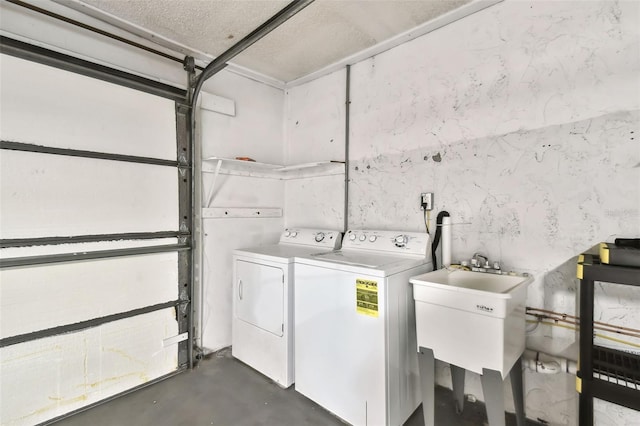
{"x":478,"y":256}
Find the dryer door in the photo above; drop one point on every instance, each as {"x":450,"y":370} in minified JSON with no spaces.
{"x":259,"y":294}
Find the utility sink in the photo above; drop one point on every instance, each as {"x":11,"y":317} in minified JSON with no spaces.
{"x":482,"y":283}
{"x":473,"y":320}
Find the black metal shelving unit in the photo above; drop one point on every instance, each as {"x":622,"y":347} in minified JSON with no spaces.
{"x":608,"y":374}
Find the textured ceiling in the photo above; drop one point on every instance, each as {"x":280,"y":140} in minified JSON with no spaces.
{"x":323,"y":33}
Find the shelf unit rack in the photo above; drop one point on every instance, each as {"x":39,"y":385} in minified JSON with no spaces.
{"x":233,"y":167}
{"x":604,"y":373}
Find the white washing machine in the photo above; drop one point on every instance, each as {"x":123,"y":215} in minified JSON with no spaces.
{"x":262,"y":326}
{"x":355,"y":338}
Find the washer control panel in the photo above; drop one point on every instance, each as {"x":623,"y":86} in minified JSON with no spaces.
{"x":387,"y":241}
{"x":312,"y":237}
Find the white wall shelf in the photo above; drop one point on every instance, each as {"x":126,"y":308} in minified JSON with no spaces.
{"x":228,"y":166}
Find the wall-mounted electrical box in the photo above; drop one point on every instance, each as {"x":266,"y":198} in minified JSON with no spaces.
{"x":426,"y":201}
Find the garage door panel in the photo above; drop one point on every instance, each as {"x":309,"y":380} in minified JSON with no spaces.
{"x":74,"y":332}
{"x":49,"y":377}
{"x":51,"y":195}
{"x":79,"y":112}
{"x":43,"y":297}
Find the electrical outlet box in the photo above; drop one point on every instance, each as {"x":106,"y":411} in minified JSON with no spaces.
{"x":426,"y":201}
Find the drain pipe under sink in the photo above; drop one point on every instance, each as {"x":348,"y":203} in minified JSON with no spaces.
{"x":541,"y":362}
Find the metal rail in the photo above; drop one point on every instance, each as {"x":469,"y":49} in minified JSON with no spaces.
{"x":271,"y":24}
{"x":186,"y":221}
{"x":44,"y":56}
{"x":347,"y":126}
{"x":41,"y":149}
{"x":94,"y":322}
{"x":45,"y":241}
{"x":185,"y":137}
{"x":220,"y":62}
{"x":89,"y":255}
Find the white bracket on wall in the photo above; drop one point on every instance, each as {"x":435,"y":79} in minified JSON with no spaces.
{"x":241,"y":212}
{"x":217,"y":104}
{"x":216,"y":172}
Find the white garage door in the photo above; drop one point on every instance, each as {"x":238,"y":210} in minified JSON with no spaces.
{"x":94,"y":224}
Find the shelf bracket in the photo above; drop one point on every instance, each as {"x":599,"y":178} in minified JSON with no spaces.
{"x":241,"y":212}
{"x":213,"y":183}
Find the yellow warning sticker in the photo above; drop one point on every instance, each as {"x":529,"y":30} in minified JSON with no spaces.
{"x":367,"y":297}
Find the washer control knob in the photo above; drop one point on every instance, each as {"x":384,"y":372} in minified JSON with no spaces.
{"x":319,"y":236}
{"x":373,"y":238}
{"x":286,"y":234}
{"x":362,"y":237}
{"x":294,"y":234}
{"x":352,"y":237}
{"x":401,"y":240}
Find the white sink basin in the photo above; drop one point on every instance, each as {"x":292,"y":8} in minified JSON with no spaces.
{"x":468,"y":281}
{"x":474,"y":320}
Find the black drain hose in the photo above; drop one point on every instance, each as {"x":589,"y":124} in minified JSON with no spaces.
{"x":436,"y":237}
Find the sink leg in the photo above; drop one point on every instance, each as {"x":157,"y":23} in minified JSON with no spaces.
{"x":492,"y":389}
{"x":427,"y":367}
{"x":518,"y":394}
{"x":457,"y":379}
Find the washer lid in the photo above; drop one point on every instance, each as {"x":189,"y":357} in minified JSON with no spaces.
{"x":362,"y":261}
{"x":284,"y":253}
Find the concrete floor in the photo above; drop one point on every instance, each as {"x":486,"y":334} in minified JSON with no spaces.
{"x":222,"y":391}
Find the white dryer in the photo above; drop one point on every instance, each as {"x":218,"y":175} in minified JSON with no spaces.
{"x":355,"y":338}
{"x":262,"y":325}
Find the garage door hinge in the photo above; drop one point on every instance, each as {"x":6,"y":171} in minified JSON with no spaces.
{"x":183,"y":160}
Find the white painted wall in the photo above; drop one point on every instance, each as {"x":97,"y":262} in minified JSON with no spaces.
{"x":221,"y":237}
{"x":315,"y":120}
{"x":315,"y":131}
{"x":256,"y":129}
{"x":522,"y":119}
{"x":315,"y":202}
{"x":256,"y":132}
